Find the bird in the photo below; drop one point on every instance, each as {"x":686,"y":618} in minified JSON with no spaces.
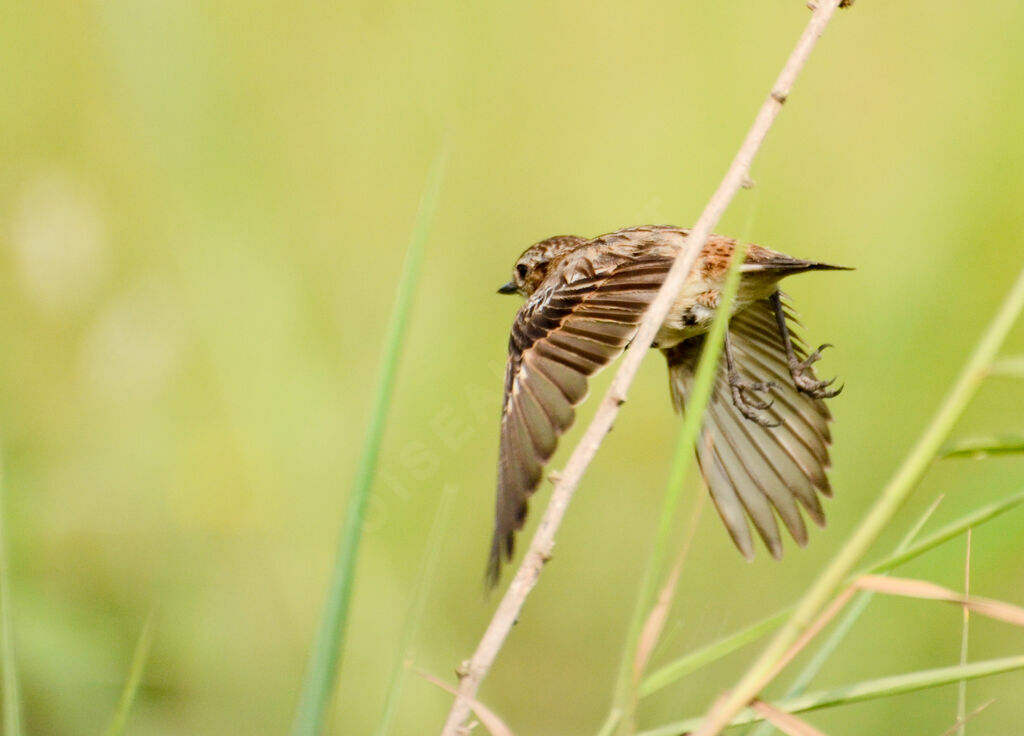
{"x":762,"y":459}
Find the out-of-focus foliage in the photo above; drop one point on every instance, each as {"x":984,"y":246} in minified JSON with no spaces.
{"x":203,"y":212}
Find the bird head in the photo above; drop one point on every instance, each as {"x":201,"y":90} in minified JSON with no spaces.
{"x":533,"y":265}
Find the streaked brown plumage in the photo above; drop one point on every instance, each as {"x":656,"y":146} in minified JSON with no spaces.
{"x":584,"y":300}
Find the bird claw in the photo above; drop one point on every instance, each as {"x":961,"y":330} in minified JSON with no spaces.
{"x":748,"y":403}
{"x":808,"y":384}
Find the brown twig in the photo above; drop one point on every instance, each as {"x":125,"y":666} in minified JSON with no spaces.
{"x":472,"y":672}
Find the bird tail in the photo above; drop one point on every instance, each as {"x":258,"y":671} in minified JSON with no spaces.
{"x":788,"y":266}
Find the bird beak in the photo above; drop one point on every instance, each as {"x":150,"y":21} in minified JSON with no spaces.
{"x":509,"y":288}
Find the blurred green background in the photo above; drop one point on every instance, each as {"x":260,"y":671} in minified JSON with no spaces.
{"x":204,"y":208}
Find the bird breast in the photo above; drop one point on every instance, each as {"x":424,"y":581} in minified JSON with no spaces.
{"x":694,"y":309}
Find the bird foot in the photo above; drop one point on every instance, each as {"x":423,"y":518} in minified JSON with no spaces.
{"x":807,"y":384}
{"x":749,"y":404}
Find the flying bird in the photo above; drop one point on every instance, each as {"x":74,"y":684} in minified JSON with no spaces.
{"x":762,"y":459}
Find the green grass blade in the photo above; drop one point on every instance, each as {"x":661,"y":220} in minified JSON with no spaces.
{"x":626,"y":684}
{"x":889,"y":501}
{"x":325,"y":657}
{"x":131,"y":685}
{"x":950,"y":531}
{"x":679,"y":668}
{"x":432,"y":551}
{"x":846,"y":622}
{"x":11,"y":686}
{"x":978,"y":447}
{"x":882,"y":687}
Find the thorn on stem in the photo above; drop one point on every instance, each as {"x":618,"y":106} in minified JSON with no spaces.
{"x":462,"y":671}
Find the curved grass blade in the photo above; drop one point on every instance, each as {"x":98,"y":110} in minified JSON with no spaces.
{"x":131,"y":685}
{"x":882,"y":687}
{"x":325,"y":657}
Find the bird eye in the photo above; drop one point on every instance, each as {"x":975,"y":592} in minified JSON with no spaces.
{"x":521,"y":270}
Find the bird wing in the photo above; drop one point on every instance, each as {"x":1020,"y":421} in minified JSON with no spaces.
{"x":565,"y":332}
{"x":752,"y":471}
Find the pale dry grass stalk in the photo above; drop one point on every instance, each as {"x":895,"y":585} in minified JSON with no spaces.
{"x":788,"y":723}
{"x":956,"y":727}
{"x":473,"y":671}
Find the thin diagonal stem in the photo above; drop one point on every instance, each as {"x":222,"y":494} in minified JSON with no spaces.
{"x":473,"y":672}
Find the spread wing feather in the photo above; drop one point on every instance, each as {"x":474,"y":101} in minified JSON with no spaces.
{"x":563,"y":334}
{"x":757,"y":473}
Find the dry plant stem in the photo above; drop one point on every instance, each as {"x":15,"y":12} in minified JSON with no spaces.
{"x":955,"y":728}
{"x":910,"y":588}
{"x":488,"y":719}
{"x":471,"y":673}
{"x":888,"y":503}
{"x":814,"y":629}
